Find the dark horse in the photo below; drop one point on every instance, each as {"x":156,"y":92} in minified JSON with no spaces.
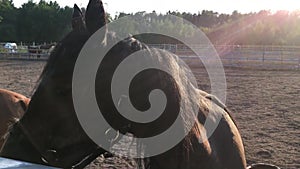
{"x":50,"y":133}
{"x":41,"y":49}
{"x":12,"y":108}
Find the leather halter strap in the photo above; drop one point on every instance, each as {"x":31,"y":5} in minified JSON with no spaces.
{"x":45,"y":153}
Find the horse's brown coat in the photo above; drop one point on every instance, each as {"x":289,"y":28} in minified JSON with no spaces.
{"x":12,"y":107}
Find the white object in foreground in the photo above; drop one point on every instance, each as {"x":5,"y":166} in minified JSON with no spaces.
{"x":13,"y":164}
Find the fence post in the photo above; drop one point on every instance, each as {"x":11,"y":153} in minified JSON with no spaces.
{"x":264,"y":50}
{"x":281,"y":55}
{"x":298,"y":62}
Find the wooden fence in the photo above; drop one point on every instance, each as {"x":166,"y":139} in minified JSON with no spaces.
{"x":25,"y":53}
{"x":265,"y":57}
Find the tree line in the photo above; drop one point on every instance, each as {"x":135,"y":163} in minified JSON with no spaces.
{"x":49,"y":22}
{"x":34,"y":22}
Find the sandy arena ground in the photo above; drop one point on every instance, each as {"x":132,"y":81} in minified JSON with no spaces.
{"x":265,"y":103}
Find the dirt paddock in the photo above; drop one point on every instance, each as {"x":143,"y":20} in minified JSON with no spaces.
{"x":265,"y":104}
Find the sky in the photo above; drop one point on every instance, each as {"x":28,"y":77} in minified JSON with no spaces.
{"x":193,"y":6}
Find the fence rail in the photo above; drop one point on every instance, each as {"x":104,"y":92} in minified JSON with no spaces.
{"x":274,"y":57}
{"x":24,"y":52}
{"x":277,"y":57}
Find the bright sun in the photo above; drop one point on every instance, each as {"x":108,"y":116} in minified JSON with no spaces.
{"x":288,"y":5}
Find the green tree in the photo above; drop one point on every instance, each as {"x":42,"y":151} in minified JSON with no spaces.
{"x":8,"y":21}
{"x":43,"y":22}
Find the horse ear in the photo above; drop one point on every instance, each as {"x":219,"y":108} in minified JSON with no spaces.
{"x":95,"y":16}
{"x":77,"y":18}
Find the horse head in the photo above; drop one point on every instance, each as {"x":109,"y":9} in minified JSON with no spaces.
{"x":12,"y":108}
{"x":49,"y":133}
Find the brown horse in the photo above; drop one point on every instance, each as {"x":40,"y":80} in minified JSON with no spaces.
{"x":50,"y":132}
{"x":12,"y":108}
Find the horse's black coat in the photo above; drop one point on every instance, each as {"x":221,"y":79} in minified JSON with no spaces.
{"x":53,"y":129}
